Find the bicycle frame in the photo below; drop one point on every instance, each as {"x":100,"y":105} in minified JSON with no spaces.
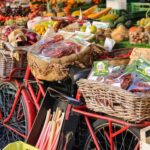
{"x":31,"y":99}
{"x":82,"y":110}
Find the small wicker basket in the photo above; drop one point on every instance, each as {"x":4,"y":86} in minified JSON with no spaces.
{"x":8,"y":63}
{"x":114,"y":101}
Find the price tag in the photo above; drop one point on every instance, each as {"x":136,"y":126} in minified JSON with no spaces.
{"x":87,"y":24}
{"x":109,"y":44}
{"x":101,"y":25}
{"x":117,"y":4}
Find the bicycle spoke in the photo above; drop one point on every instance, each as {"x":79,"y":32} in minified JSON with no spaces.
{"x":99,"y":141}
{"x":130,"y":143}
{"x":105,"y":139}
{"x":7,"y":136}
{"x":17,"y":121}
{"x":126,"y":140}
{"x":122,"y":144}
{"x":104,"y":136}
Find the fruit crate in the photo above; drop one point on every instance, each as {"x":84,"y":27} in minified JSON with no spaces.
{"x":145,"y":138}
{"x":52,"y":100}
{"x":137,"y":7}
{"x":115,"y":11}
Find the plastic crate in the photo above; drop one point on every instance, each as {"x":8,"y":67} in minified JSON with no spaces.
{"x":19,"y":146}
{"x":136,"y":7}
{"x":116,"y":11}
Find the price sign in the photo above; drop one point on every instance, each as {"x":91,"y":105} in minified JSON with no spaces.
{"x":117,"y":4}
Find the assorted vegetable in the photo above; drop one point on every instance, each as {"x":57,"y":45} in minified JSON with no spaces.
{"x":50,"y":133}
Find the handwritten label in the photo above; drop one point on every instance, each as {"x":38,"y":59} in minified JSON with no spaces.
{"x":109,"y":44}
{"x":101,"y":25}
{"x":117,"y":4}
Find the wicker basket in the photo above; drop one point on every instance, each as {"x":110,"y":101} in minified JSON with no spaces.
{"x":8,"y":63}
{"x":114,"y":101}
{"x":55,"y":69}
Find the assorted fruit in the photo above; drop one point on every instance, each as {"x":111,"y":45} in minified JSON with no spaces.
{"x":18,"y":11}
{"x":144,"y":22}
{"x":20,"y":21}
{"x":119,"y":27}
{"x":42,"y":27}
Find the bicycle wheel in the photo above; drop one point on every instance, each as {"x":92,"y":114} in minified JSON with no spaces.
{"x":127,"y":140}
{"x":19,"y":117}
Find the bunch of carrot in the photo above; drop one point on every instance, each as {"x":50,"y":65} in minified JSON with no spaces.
{"x":50,"y":133}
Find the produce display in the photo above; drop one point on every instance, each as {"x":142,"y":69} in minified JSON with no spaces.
{"x":139,"y":37}
{"x":133,"y":77}
{"x":63,"y":33}
{"x":118,"y":27}
{"x":18,"y":11}
{"x":56,"y":24}
{"x":20,"y":21}
{"x":57,"y":47}
{"x":17,"y":36}
{"x":144,"y":22}
{"x":49,"y":136}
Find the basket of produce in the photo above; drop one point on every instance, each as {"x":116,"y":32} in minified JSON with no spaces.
{"x":122,"y":94}
{"x":116,"y":102}
{"x":14,"y":52}
{"x":8,"y":63}
{"x":50,"y":61}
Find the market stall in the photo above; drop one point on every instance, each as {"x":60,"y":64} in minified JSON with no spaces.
{"x":47,"y":47}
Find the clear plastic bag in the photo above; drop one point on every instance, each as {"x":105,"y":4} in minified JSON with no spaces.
{"x":57,"y":45}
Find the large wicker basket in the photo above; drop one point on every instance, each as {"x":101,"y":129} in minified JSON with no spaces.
{"x":8,"y":63}
{"x":114,"y":101}
{"x":54,"y":69}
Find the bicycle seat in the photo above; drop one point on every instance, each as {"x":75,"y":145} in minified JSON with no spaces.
{"x":78,"y":73}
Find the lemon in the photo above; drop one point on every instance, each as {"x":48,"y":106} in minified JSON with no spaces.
{"x":83,"y":28}
{"x":50,"y":23}
{"x":93,"y":29}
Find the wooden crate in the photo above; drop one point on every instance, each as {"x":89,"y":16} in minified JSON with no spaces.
{"x":145,"y":138}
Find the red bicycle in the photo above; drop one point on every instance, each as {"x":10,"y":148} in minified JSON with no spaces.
{"x":107,"y":133}
{"x":19,"y":102}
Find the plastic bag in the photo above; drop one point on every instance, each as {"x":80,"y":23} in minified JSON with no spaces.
{"x":57,"y":45}
{"x":105,"y":73}
{"x":60,"y":49}
{"x":139,"y":87}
